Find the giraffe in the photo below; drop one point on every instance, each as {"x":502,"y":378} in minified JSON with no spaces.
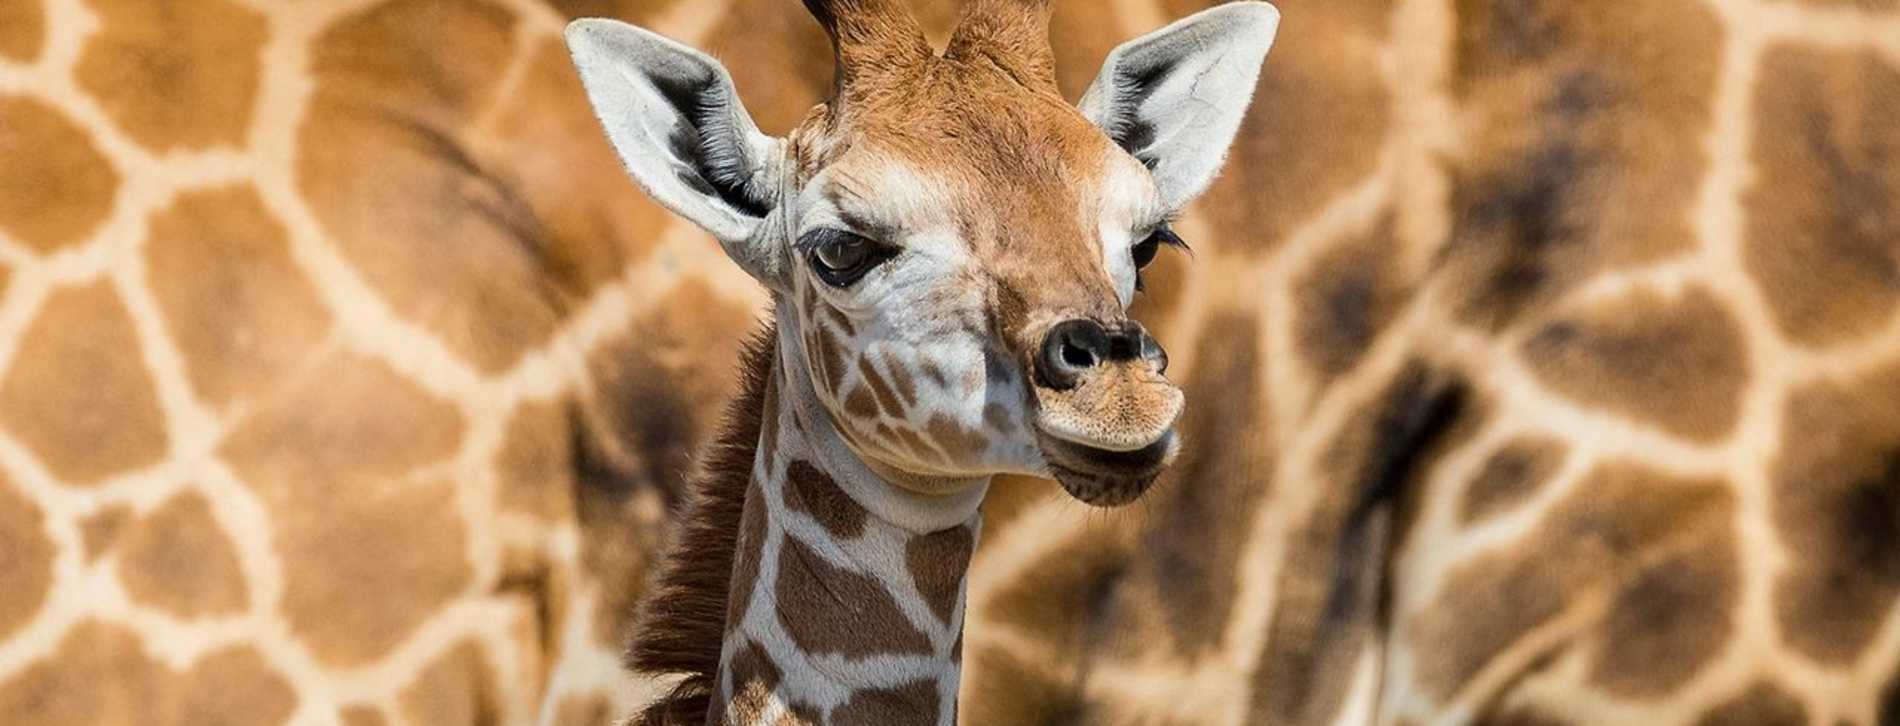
{"x":1567,"y":367}
{"x":273,"y":449}
{"x":1385,"y":130}
{"x":951,"y":247}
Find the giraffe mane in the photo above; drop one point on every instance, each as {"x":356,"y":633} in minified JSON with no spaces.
{"x":681,"y":622}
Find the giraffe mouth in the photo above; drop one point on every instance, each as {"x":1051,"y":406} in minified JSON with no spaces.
{"x":1104,"y":477}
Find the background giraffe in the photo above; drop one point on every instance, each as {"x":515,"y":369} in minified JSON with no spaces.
{"x":274,"y":449}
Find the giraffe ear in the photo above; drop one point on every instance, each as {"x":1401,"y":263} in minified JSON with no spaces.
{"x":676,"y":122}
{"x":1174,"y":98}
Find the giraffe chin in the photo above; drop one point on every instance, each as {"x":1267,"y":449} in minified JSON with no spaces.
{"x":1105,"y":478}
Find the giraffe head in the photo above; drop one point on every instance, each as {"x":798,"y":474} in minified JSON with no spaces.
{"x":952,"y":244}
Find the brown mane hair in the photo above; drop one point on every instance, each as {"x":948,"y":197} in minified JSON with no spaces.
{"x":681,"y":623}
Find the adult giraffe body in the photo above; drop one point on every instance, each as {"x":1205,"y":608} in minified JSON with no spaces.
{"x":951,"y":247}
{"x":283,"y":232}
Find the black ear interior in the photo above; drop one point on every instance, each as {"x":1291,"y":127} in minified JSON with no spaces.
{"x":1135,"y":79}
{"x":709,"y":152}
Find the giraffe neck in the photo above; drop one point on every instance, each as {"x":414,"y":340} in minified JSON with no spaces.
{"x":847,"y":589}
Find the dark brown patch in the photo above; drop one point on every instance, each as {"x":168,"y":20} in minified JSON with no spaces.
{"x":179,"y":560}
{"x":234,"y":302}
{"x":827,"y":610}
{"x":1669,"y":620}
{"x":1763,"y":704}
{"x":1206,"y":502}
{"x":175,"y":76}
{"x":1587,"y":145}
{"x":959,"y":443}
{"x":1824,"y":209}
{"x":1510,"y":476}
{"x":750,"y":556}
{"x":816,"y":494}
{"x":998,"y":419}
{"x":77,"y":393}
{"x":27,"y":574}
{"x":938,"y":562}
{"x":102,"y":674}
{"x":754,"y":679}
{"x":860,"y":405}
{"x":369,"y":549}
{"x":915,"y":442}
{"x":458,"y":688}
{"x":58,"y":187}
{"x":681,"y":623}
{"x":1837,"y":505}
{"x":1626,"y":529}
{"x":22,"y":30}
{"x":913,"y":703}
{"x":905,"y":385}
{"x":1331,"y":589}
{"x":1676,"y":363}
{"x":1346,"y":298}
{"x":886,"y":398}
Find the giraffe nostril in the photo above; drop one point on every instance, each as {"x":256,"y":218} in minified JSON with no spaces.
{"x":1069,"y":350}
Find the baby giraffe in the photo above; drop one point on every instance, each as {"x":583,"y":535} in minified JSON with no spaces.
{"x":951,"y":248}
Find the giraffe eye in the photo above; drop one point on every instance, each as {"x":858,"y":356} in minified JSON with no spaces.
{"x":841,"y":258}
{"x":1144,"y":251}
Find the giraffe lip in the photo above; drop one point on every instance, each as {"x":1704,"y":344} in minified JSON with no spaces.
{"x":1103,"y":477}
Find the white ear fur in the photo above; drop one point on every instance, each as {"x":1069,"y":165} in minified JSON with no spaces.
{"x":676,"y":122}
{"x":1174,"y":98}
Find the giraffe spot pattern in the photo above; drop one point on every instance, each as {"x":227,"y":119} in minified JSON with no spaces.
{"x":386,"y":167}
{"x":77,"y":393}
{"x":1763,"y":704}
{"x":1676,"y":363}
{"x":937,"y":563}
{"x":99,"y":532}
{"x":1836,"y":503}
{"x":26,"y":559}
{"x":1329,"y":588}
{"x":370,"y":547}
{"x":751,"y":549}
{"x":814,"y":493}
{"x":175,"y":76}
{"x":544,"y":138}
{"x":180,"y":561}
{"x":1582,"y":131}
{"x":1206,"y":501}
{"x":913,"y":703}
{"x":1346,"y":298}
{"x":535,"y":467}
{"x":457,"y":688}
{"x":228,"y":687}
{"x":1018,"y":693}
{"x":58,"y":187}
{"x":1626,"y":530}
{"x":233,"y":301}
{"x":361,"y":716}
{"x":1824,"y":210}
{"x":754,"y":679}
{"x":1510,"y":476}
{"x":22,"y":30}
{"x":862,"y":618}
{"x":1295,"y":152}
{"x":659,"y":402}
